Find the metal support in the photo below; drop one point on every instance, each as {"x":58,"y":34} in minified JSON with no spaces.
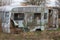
{"x":42,"y":19}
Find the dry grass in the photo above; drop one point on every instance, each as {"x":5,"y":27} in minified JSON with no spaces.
{"x":43,"y":35}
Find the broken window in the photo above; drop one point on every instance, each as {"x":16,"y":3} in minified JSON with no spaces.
{"x":37,"y":15}
{"x":37,"y":18}
{"x":18,"y":16}
{"x":45,"y":15}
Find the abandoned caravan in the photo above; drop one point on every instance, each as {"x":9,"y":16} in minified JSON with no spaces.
{"x":28,"y":18}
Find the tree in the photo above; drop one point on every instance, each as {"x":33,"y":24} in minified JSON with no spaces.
{"x":34,"y":2}
{"x":5,"y":2}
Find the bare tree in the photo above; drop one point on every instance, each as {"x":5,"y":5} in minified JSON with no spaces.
{"x":34,"y":2}
{"x":5,"y":2}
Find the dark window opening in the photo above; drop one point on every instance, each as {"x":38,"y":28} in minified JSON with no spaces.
{"x":45,"y":15}
{"x":50,"y":13}
{"x":59,"y":16}
{"x":37,"y":15}
{"x":50,"y":10}
{"x":19,"y":16}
